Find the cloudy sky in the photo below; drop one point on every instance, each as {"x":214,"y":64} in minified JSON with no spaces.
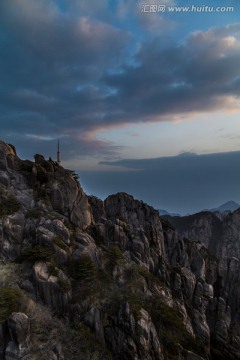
{"x":143,"y":100}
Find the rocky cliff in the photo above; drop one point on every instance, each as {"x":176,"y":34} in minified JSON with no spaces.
{"x":82,"y":278}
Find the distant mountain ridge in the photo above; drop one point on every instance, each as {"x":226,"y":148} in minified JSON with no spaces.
{"x":228,"y":206}
{"x":163,"y":212}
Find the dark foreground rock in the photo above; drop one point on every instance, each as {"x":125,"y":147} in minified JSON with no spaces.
{"x":82,"y":278}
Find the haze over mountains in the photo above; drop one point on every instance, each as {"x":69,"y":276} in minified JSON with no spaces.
{"x":179,"y":184}
{"x":228,"y":206}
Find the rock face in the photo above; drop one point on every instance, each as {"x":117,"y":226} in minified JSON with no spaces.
{"x":82,"y":278}
{"x":220,"y":233}
{"x":49,"y":287}
{"x":63,"y":190}
{"x":132,"y":226}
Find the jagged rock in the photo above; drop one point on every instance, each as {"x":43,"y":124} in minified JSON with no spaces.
{"x":58,"y":352}
{"x":12,"y":351}
{"x":221,"y":331}
{"x":11,"y":229}
{"x":54,"y":290}
{"x":191,"y":356}
{"x":208,"y":290}
{"x":98,"y":210}
{"x":19,"y":327}
{"x":175,"y":249}
{"x":134,"y":339}
{"x":120,"y":336}
{"x":7,"y":155}
{"x":134,"y":227}
{"x":201,"y":328}
{"x":191,"y":274}
{"x":188,"y":281}
{"x":44,"y":236}
{"x":27,"y":285}
{"x":68,"y":198}
{"x":176,"y":282}
{"x":198,"y":294}
{"x":197,"y":262}
{"x":150,"y":347}
{"x":4,"y":179}
{"x":93,"y":320}
{"x":2,"y":341}
{"x":53,"y":228}
{"x":221,"y":235}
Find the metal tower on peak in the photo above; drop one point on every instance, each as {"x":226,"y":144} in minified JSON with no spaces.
{"x":58,"y":153}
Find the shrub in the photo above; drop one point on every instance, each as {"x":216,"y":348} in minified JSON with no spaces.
{"x":42,"y":177}
{"x":9,"y":205}
{"x":174,"y":269}
{"x":70,"y":227}
{"x":114,"y":256}
{"x":56,"y":215}
{"x":35,"y":253}
{"x":64,"y":285}
{"x":121,"y":218}
{"x":117,"y":297}
{"x":74,"y":175}
{"x":57,"y":240}
{"x":35,"y":213}
{"x":166,"y":224}
{"x":10,"y":273}
{"x":168,"y":321}
{"x":163,"y":314}
{"x":52,"y":269}
{"x":135,"y":302}
{"x":79,"y":343}
{"x":9,"y":302}
{"x":97,"y":235}
{"x":83,"y":269}
{"x":26,"y":165}
{"x":84,"y":274}
{"x":135,"y":271}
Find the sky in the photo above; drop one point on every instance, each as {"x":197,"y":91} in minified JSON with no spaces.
{"x":144,"y":96}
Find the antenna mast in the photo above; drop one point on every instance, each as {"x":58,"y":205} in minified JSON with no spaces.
{"x":58,"y":153}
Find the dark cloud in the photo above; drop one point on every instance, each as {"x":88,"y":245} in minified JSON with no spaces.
{"x":65,"y":73}
{"x":51,"y":62}
{"x":180,"y":183}
{"x":198,"y":75}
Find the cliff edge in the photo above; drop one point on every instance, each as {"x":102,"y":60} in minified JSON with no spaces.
{"x":82,"y":278}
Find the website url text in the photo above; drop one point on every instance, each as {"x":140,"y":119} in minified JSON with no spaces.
{"x":186,"y":9}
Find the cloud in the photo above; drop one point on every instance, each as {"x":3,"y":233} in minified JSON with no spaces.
{"x":51,"y":63}
{"x":199,"y":75}
{"x":184,"y":159}
{"x":154,"y":23}
{"x":67,"y":71}
{"x":178,"y":183}
{"x":61,"y":41}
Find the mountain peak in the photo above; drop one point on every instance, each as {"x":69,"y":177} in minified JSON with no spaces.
{"x":227,"y":206}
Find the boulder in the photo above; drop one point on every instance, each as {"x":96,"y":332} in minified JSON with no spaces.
{"x":19,"y":327}
{"x":54,"y":290}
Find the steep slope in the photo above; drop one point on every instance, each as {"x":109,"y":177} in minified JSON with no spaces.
{"x":220,"y":233}
{"x":83,"y":278}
